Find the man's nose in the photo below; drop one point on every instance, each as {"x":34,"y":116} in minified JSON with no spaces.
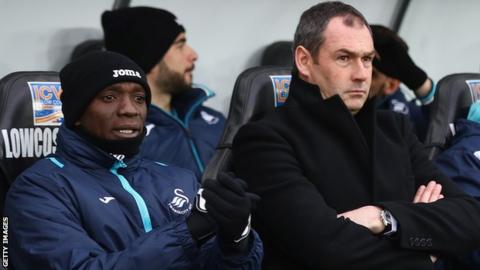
{"x":128,"y":107}
{"x":361,"y":71}
{"x":193,"y":56}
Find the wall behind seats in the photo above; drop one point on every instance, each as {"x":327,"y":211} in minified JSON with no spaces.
{"x":444,"y":36}
{"x":229,"y":36}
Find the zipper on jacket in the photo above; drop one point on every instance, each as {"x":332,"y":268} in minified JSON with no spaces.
{"x":193,"y":147}
{"x":196,"y":155}
{"x":142,"y":207}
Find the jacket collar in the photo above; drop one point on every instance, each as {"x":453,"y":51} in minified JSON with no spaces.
{"x":82,"y":153}
{"x":333,"y":113}
{"x":465,"y":128}
{"x":185,"y":105}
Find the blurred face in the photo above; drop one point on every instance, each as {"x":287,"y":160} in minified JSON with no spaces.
{"x":180,"y":58}
{"x":378,"y":83}
{"x":343,"y":64}
{"x":174,"y":73}
{"x":117,"y":112}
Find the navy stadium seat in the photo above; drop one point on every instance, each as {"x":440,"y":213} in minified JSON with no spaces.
{"x":455,"y":93}
{"x":257,"y":91}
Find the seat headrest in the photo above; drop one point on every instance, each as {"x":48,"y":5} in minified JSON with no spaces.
{"x":454,"y":95}
{"x":279,"y":53}
{"x":257,"y":91}
{"x":87,"y":46}
{"x":30,"y":114}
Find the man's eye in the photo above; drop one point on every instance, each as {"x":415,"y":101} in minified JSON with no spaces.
{"x":368,"y":59}
{"x":343,"y":58}
{"x":140,"y":99}
{"x":108,"y":98}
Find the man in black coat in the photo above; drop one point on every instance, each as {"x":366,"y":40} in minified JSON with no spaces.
{"x":345,"y":186}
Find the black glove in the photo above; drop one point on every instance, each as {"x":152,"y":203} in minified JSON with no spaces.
{"x":394,"y":59}
{"x":229,"y":206}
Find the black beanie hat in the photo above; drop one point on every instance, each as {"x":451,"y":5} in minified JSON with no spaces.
{"x":142,"y":33}
{"x":82,"y":79}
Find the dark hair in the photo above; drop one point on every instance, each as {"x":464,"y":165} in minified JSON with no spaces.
{"x":314,"y":21}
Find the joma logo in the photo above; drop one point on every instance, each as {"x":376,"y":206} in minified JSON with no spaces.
{"x":125,"y":72}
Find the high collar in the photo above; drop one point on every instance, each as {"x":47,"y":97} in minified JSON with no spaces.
{"x":465,"y":128}
{"x":332,"y":112}
{"x":85,"y":154}
{"x":184,"y":104}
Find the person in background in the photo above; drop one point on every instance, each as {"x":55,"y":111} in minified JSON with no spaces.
{"x":461,"y":162}
{"x":96,"y":204}
{"x":343,"y":184}
{"x":392,"y":66}
{"x":180,"y":129}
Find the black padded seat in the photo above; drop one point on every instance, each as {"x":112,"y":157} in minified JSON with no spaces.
{"x":455,"y":93}
{"x":257,"y":91}
{"x":30,"y":115}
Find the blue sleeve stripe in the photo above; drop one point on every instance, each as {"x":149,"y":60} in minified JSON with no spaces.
{"x":56,"y":162}
{"x":142,"y":206}
{"x":198,"y":160}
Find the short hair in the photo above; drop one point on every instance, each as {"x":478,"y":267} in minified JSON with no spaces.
{"x":314,"y":21}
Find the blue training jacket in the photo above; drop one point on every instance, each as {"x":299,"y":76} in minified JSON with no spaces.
{"x":461,"y":161}
{"x":188,"y":136}
{"x":418,"y":114}
{"x":83,"y":209}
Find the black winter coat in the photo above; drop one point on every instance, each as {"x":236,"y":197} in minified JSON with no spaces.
{"x":312,"y":159}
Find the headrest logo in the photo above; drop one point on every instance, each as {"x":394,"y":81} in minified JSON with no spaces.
{"x":474,"y":86}
{"x":125,"y":72}
{"x":47,"y":107}
{"x":281,"y":84}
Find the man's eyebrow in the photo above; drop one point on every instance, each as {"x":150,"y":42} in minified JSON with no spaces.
{"x":371,"y":53}
{"x":182,"y":40}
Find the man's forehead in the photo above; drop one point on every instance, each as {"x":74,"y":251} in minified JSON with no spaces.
{"x":353,"y":38}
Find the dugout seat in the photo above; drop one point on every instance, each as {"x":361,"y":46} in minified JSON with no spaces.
{"x":87,"y":46}
{"x":455,"y":93}
{"x":30,"y":115}
{"x":257,"y":91}
{"x":278,"y":53}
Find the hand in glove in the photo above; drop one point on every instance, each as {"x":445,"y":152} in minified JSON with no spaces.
{"x":229,"y":207}
{"x":394,"y":59}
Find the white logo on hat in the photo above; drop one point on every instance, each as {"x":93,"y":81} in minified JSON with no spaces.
{"x":125,"y":72}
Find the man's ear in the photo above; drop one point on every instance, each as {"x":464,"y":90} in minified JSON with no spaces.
{"x":303,"y":61}
{"x":390,"y":86}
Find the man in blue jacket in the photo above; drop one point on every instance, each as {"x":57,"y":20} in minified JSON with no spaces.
{"x":392,"y":66}
{"x":180,"y":130}
{"x":96,"y":204}
{"x":461,"y":162}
